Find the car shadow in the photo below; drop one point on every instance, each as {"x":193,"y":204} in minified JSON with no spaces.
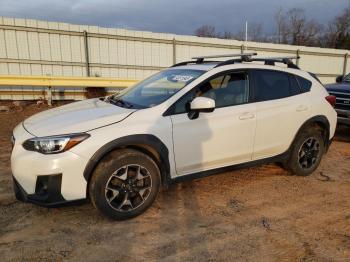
{"x":178,"y":203}
{"x":342,"y":133}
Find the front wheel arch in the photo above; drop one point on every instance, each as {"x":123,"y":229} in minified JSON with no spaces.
{"x":124,"y":184}
{"x":145,"y":143}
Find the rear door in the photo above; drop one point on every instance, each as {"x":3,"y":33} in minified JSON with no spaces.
{"x":282,"y":107}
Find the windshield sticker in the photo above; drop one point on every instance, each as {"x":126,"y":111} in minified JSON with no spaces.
{"x":182,"y":78}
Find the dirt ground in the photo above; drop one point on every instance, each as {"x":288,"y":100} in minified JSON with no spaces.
{"x":257,"y":214}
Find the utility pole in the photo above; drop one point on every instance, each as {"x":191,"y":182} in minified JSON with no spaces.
{"x":246,"y":35}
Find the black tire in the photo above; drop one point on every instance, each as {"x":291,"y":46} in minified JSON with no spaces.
{"x":121,"y":175}
{"x":307,"y":152}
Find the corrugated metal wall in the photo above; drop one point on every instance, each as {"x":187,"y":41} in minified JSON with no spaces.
{"x":33,"y":47}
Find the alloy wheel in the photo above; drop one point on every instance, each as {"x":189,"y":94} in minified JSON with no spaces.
{"x":309,"y":153}
{"x":128,"y":187}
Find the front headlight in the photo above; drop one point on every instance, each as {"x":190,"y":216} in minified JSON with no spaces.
{"x":54,"y":144}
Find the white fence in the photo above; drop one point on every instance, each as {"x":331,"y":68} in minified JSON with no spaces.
{"x":33,"y":47}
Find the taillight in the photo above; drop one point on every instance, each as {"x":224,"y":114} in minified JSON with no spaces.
{"x":331,"y":99}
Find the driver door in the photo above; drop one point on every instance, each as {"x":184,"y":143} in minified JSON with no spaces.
{"x":220,"y":138}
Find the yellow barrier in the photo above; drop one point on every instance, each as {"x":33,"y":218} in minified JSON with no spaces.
{"x":62,"y":81}
{"x":49,"y":81}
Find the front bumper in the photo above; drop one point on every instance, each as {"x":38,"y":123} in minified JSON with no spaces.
{"x":61,"y":173}
{"x":343,"y":116}
{"x":47,"y":192}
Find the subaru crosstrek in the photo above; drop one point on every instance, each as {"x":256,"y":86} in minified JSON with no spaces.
{"x":191,"y":120}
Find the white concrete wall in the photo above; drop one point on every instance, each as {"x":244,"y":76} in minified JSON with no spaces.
{"x":33,"y":47}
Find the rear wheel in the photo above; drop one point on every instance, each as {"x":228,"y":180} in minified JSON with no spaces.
{"x":124,"y":184}
{"x":306,"y":153}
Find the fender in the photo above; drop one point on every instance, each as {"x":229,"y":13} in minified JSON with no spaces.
{"x":134,"y":141}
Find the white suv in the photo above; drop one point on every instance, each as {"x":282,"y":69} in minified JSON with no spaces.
{"x":194,"y":119}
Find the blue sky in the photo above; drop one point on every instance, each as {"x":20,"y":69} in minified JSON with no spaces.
{"x":174,"y":16}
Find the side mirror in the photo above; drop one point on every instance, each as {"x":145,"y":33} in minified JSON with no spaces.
{"x":201,"y":104}
{"x":339,"y":79}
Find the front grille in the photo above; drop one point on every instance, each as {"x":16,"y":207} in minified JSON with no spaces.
{"x":343,"y":100}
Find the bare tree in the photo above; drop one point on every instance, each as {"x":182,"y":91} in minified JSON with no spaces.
{"x":281,"y":27}
{"x":295,"y":25}
{"x":312,"y":33}
{"x":206,"y":31}
{"x":255,"y":32}
{"x":294,"y":28}
{"x":301,"y":31}
{"x":338,"y":30}
{"x":228,"y":35}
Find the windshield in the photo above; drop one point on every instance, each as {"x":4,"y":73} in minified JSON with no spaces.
{"x":155,"y":89}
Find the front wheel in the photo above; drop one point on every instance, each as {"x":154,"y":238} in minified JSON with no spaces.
{"x":306,"y":153}
{"x":124,"y":184}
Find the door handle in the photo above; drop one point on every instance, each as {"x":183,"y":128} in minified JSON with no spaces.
{"x":301,"y":108}
{"x":246,"y":116}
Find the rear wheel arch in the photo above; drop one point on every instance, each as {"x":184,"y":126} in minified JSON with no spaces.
{"x":307,"y":151}
{"x":147,"y":144}
{"x":319,"y":121}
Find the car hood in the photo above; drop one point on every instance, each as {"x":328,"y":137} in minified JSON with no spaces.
{"x":75,"y":118}
{"x":341,"y":87}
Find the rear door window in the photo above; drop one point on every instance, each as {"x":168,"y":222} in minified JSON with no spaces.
{"x":271,"y":85}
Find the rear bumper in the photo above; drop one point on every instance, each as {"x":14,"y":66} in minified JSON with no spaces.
{"x":47,"y":192}
{"x":343,"y":116}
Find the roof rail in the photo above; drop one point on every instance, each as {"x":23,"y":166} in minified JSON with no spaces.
{"x":193,"y":62}
{"x":282,"y":57}
{"x":242,"y":55}
{"x":284,"y":60}
{"x":201,"y":59}
{"x":268,"y":61}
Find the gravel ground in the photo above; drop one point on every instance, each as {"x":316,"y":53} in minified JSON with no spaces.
{"x":254,"y":214}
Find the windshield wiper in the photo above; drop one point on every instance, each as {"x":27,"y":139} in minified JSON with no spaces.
{"x":119,"y":102}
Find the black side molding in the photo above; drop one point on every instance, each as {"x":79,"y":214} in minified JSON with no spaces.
{"x":278,"y":158}
{"x":137,"y":142}
{"x":322,"y":121}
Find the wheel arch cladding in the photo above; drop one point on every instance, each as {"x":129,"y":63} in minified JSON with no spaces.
{"x":320,"y":121}
{"x":147,"y":144}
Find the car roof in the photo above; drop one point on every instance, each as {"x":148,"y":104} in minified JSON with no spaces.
{"x":253,"y":65}
{"x":210,"y":65}
{"x":200,"y":62}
